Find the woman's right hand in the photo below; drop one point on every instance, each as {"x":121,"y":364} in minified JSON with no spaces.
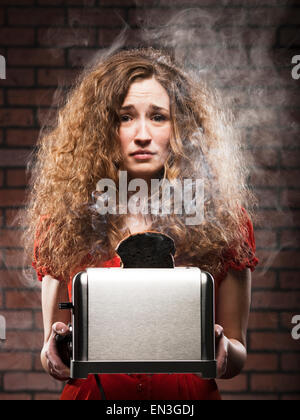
{"x":55,"y":367}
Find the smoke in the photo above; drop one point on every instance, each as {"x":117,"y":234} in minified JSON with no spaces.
{"x":232,"y":49}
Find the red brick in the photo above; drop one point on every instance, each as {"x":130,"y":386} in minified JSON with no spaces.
{"x":238,"y":384}
{"x":30,"y":381}
{"x":81,"y":56}
{"x":13,"y":258}
{"x":12,"y":157}
{"x":13,"y":217}
{"x":290,"y":397}
{"x":15,"y":278}
{"x":51,"y":57}
{"x":9,"y":238}
{"x":262,"y":16}
{"x":38,"y":320}
{"x":21,"y":299}
{"x":290,"y":158}
{"x":282,"y":259}
{"x":16,"y":36}
{"x":275,"y":178}
{"x":263,"y":280}
{"x":275,"y":382}
{"x":107,"y":37}
{"x":19,"y":77}
{"x":35,"y":16}
{"x":24,"y":341}
{"x":15,"y":361}
{"x":280,"y":219}
{"x":12,"y":198}
{"x":275,"y":300}
{"x":37,"y":365}
{"x":262,"y":136}
{"x":290,"y":362}
{"x":17,"y":2}
{"x":67,"y":2}
{"x":266,"y":157}
{"x":123,"y":2}
{"x":1,"y":213}
{"x":56,"y":77}
{"x":21,"y":320}
{"x":32,"y":97}
{"x":290,"y":198}
{"x":290,"y":238}
{"x":46,"y":116}
{"x":266,"y":239}
{"x":46,"y":396}
{"x":16,"y":117}
{"x":18,"y":137}
{"x":15,"y":397}
{"x":273,"y":341}
{"x":262,"y":320}
{"x":96,"y":17}
{"x":67,"y":37}
{"x":289,"y":280}
{"x":249,"y":397}
{"x":261,"y":362}
{"x":16,"y":178}
{"x":271,"y":95}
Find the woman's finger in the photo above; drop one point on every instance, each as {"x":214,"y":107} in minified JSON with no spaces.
{"x":221,"y":356}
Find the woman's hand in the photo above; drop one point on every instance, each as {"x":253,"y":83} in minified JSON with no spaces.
{"x":55,"y":367}
{"x":222,"y":347}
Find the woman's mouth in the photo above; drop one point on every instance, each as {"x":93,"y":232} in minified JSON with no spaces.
{"x":143,"y":156}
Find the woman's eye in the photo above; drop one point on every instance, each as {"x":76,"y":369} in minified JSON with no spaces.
{"x":125,"y":118}
{"x":159,"y":118}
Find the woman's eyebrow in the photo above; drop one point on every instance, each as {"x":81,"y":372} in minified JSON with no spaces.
{"x":127,"y":108}
{"x":158,"y":108}
{"x":152,"y":107}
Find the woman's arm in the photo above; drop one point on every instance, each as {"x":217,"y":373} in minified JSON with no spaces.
{"x":55,"y":322}
{"x":232,"y":315}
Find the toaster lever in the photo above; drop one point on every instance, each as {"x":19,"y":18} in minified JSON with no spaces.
{"x":66,"y":305}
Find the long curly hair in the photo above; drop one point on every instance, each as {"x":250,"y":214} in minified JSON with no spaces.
{"x":83,"y":147}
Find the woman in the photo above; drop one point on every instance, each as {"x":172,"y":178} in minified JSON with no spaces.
{"x":136,"y":111}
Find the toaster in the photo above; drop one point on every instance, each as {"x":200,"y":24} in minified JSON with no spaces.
{"x":147,"y":316}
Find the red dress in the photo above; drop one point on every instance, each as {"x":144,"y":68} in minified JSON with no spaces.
{"x":156,"y":386}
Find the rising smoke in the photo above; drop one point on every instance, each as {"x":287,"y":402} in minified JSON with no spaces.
{"x":231,"y":48}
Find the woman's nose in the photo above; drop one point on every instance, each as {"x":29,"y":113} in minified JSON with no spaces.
{"x":142,"y":132}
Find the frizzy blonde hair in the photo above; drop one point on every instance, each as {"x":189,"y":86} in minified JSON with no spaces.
{"x":83,"y":148}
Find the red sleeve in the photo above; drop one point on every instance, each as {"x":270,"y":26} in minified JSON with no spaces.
{"x":249,"y":259}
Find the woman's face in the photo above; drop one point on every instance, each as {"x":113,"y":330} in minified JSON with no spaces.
{"x":145,"y":129}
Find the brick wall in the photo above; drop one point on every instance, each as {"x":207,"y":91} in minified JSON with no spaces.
{"x":44,"y":43}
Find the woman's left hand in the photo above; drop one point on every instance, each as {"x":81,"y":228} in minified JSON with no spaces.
{"x":222,"y":345}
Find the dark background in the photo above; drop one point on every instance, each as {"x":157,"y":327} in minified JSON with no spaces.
{"x":45,"y":43}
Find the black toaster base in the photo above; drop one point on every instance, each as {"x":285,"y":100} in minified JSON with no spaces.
{"x":81,"y":370}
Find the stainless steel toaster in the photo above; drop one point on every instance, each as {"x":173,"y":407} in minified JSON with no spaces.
{"x":143,"y":320}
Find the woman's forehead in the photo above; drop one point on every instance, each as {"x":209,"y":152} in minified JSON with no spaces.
{"x":147,"y":91}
